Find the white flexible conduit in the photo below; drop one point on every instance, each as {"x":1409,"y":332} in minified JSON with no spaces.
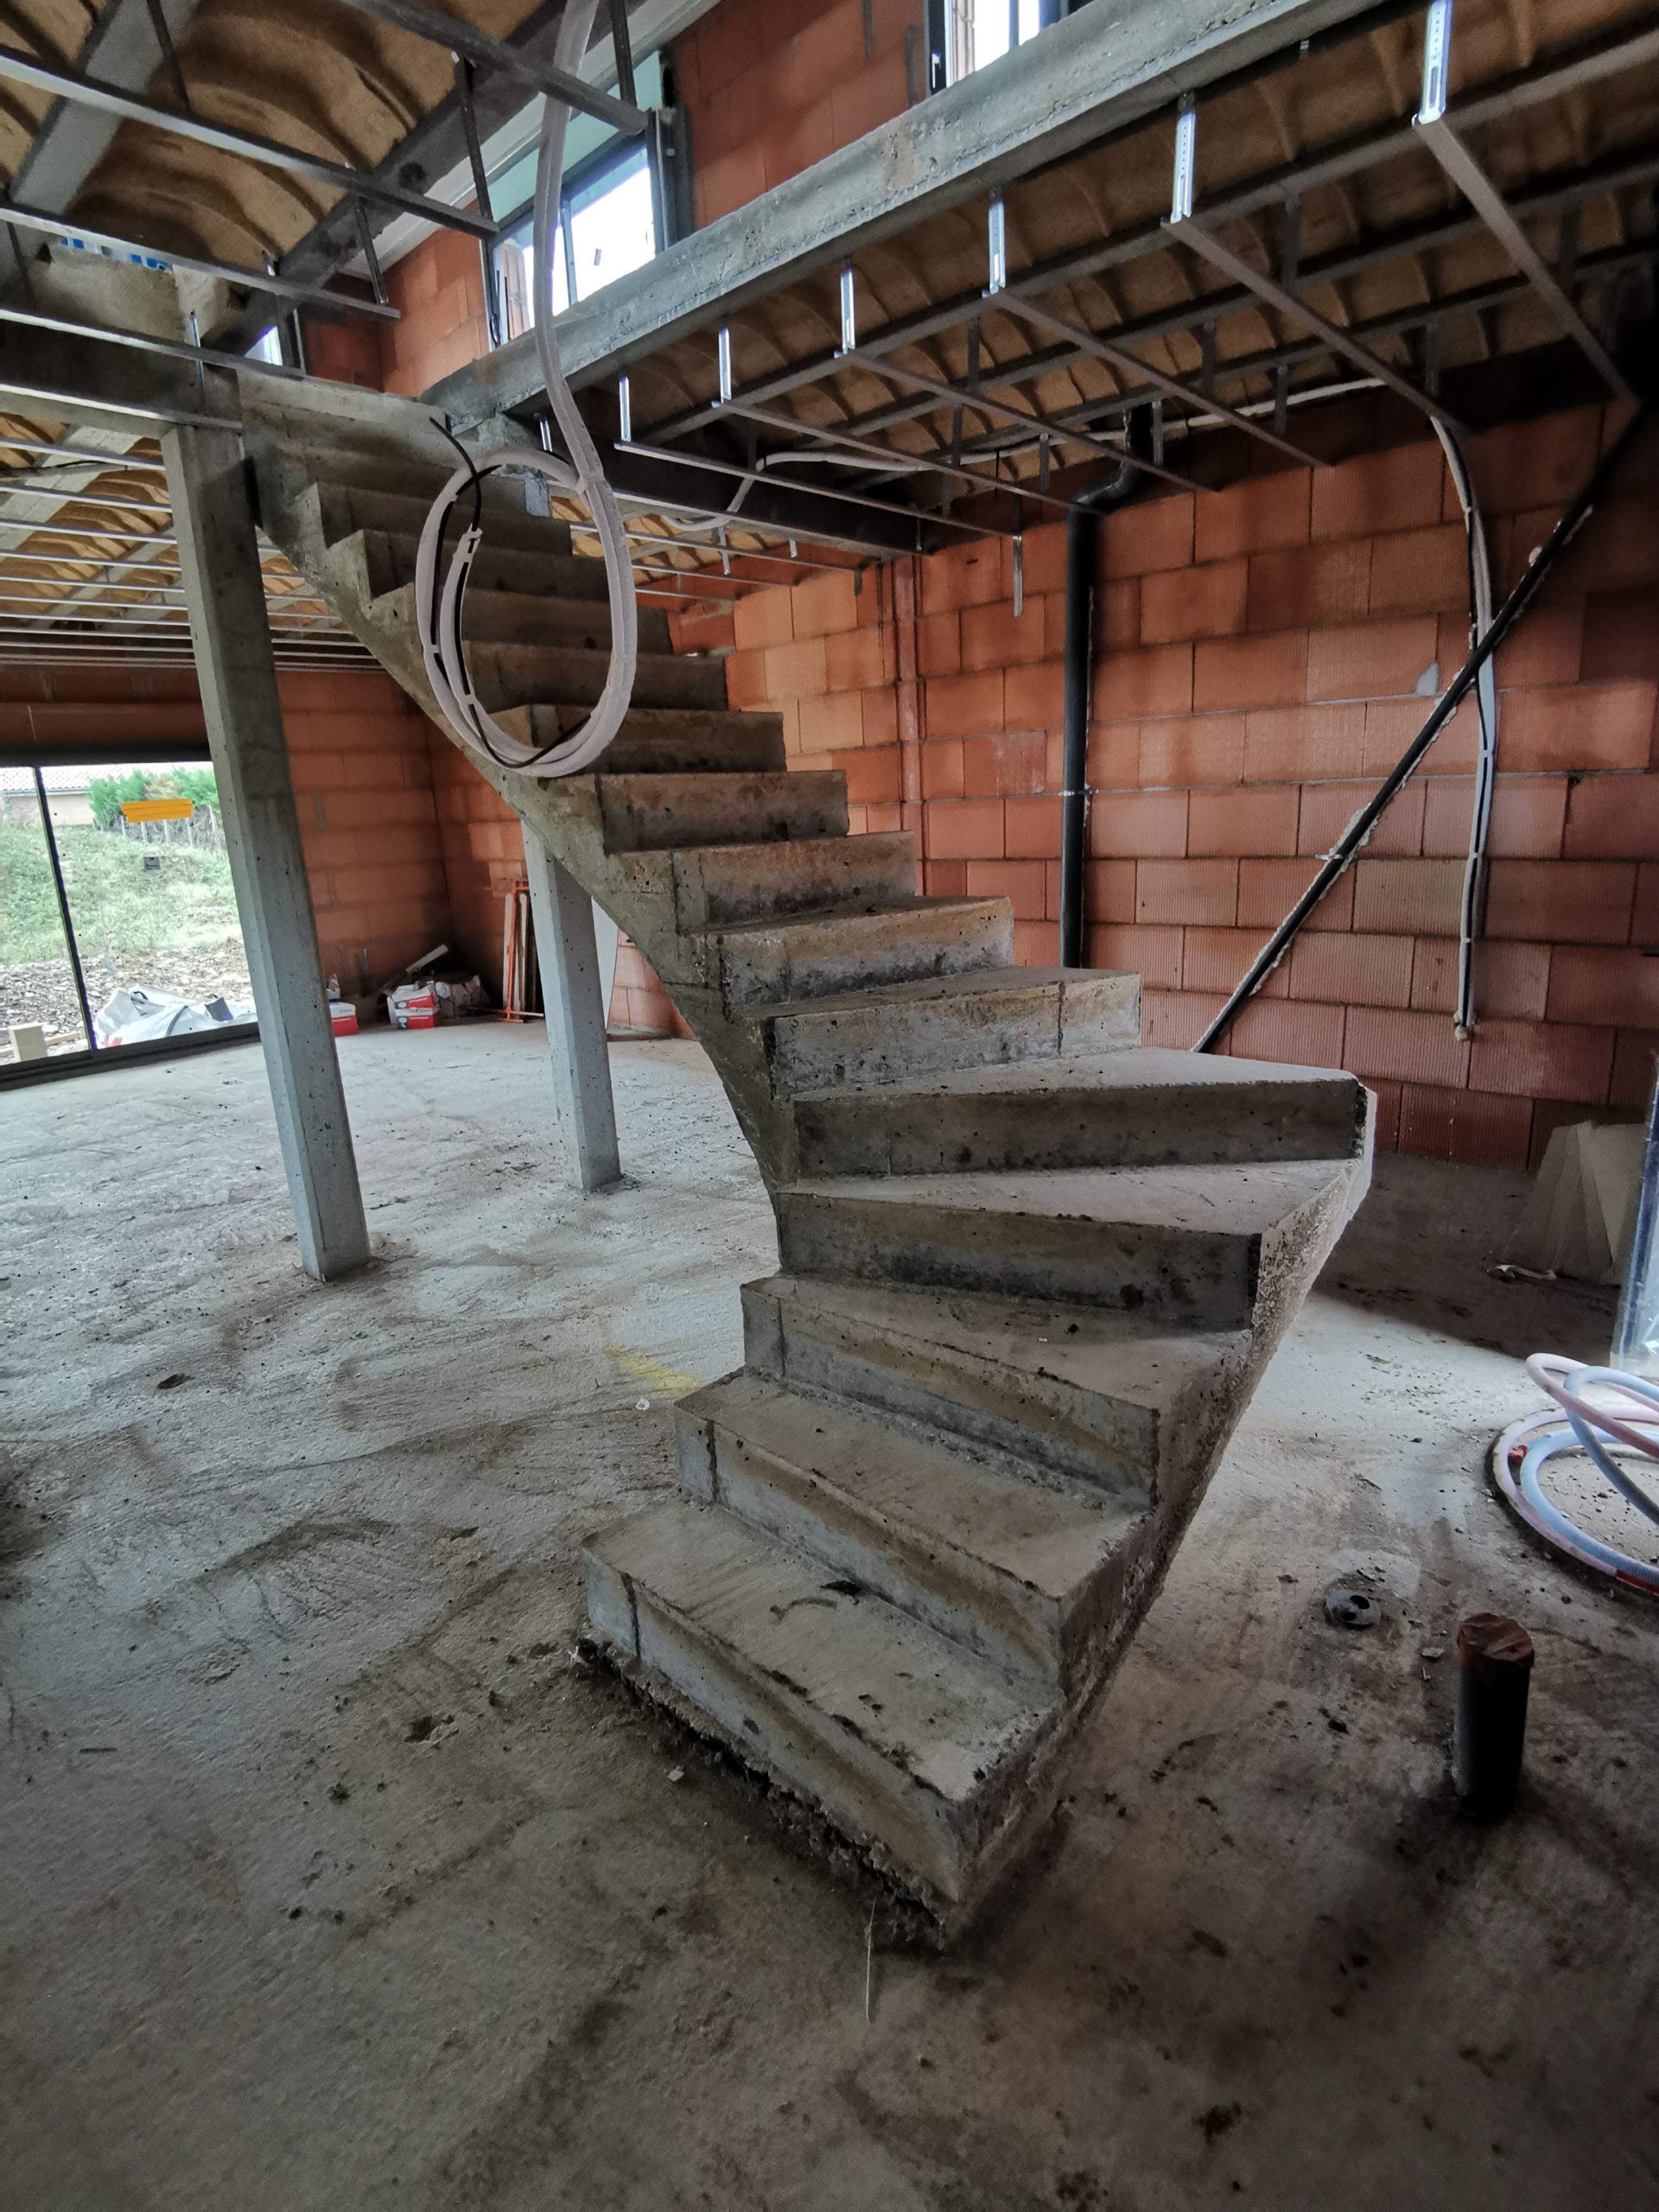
{"x":1624,"y":1412}
{"x":1480,"y":608}
{"x":440,"y":600}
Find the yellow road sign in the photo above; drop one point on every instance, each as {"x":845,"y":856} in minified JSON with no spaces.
{"x":158,"y":810}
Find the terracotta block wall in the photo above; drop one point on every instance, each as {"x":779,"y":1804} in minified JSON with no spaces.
{"x":483,"y":852}
{"x":368,"y":821}
{"x":439,"y":287}
{"x":770,"y":86}
{"x":1267,"y":654}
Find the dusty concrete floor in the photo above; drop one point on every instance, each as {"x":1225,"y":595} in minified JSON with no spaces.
{"x":327,"y":1881}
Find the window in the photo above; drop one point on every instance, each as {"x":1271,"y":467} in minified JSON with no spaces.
{"x":965,"y":34}
{"x":610,"y":214}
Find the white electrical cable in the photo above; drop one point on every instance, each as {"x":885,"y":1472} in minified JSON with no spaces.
{"x":438,"y":606}
{"x":1480,"y":596}
{"x":1625,"y":1412}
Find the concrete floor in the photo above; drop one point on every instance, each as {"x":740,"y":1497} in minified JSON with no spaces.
{"x":328,"y":1880}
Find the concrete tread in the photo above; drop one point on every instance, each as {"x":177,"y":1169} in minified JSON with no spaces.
{"x":979,"y":982}
{"x":1230,"y":1200}
{"x":1148,"y":1067}
{"x":939,"y":1713}
{"x":850,"y":910}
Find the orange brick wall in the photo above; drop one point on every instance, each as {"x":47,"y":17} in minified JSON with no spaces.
{"x":363,"y":786}
{"x":770,"y":86}
{"x":483,"y":852}
{"x":439,"y":289}
{"x":1261,"y":653}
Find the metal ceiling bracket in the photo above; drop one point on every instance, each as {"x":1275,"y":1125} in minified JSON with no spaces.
{"x":371,"y":259}
{"x":475,"y":149}
{"x":1465,"y":171}
{"x":158,"y":23}
{"x":622,"y":49}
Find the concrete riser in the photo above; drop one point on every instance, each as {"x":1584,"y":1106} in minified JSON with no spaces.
{"x":517,"y":675}
{"x":864,"y":950}
{"x":662,"y":813}
{"x":389,"y":557}
{"x":1079,"y":1433}
{"x":1084,"y":1128}
{"x":949,"y":1590}
{"x":1182,"y":1277}
{"x":722,"y":884}
{"x":343,"y":509}
{"x":657,"y":741}
{"x":880,"y":1043}
{"x":496,"y":617}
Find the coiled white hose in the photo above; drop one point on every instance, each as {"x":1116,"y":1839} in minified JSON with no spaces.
{"x":439,"y":603}
{"x":1625,"y":1412}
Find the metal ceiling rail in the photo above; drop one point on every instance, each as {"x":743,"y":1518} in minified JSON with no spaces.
{"x":438,"y":28}
{"x":173,"y":349}
{"x":1440,"y":136}
{"x":753,"y":476}
{"x":1553,"y":74}
{"x":66,"y":83}
{"x":115,"y":462}
{"x":1119,"y":358}
{"x":829,"y":434}
{"x":1613,"y":261}
{"x":21,"y":217}
{"x":1616,"y":174}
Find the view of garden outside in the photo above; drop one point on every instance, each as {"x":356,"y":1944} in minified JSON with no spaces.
{"x":152,"y":902}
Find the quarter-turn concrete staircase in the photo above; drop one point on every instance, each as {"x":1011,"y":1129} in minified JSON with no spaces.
{"x":1030,"y":1269}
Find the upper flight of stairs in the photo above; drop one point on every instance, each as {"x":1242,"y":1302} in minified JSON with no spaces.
{"x":1029,"y":1269}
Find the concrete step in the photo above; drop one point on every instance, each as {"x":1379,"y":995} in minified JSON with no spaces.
{"x":408,"y":474}
{"x":810,"y":954}
{"x":993,"y":1017}
{"x":1145,"y":1107}
{"x":342,"y":509}
{"x":388,"y":559}
{"x":661,"y":813}
{"x":982,"y":1551}
{"x":918,"y":1751}
{"x":1188,"y":1246}
{"x":533,"y":619}
{"x":520,"y":675}
{"x":1097,"y":1396}
{"x":665,"y":740}
{"x":717,"y":885}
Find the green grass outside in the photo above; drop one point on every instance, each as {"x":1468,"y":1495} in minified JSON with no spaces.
{"x":118,"y":905}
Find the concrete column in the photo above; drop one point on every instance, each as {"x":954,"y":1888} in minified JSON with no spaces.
{"x":563,"y":915}
{"x":219,"y":553}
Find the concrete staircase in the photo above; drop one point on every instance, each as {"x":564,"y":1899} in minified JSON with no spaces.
{"x":1030,"y":1269}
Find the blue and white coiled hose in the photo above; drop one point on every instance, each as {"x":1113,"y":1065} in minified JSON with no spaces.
{"x":1624,"y":1412}
{"x":439,"y":598}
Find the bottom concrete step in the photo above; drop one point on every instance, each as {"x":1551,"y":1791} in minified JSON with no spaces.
{"x":1017,"y":1568}
{"x":921,"y":1752}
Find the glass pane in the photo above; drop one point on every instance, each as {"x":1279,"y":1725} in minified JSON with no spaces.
{"x":37,"y":985}
{"x":150,"y":898}
{"x":613,"y":225}
{"x":514,"y":271}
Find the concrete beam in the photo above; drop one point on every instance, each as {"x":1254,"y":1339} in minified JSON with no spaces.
{"x":568,"y":952}
{"x":1099,"y":72}
{"x":218,"y":552}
